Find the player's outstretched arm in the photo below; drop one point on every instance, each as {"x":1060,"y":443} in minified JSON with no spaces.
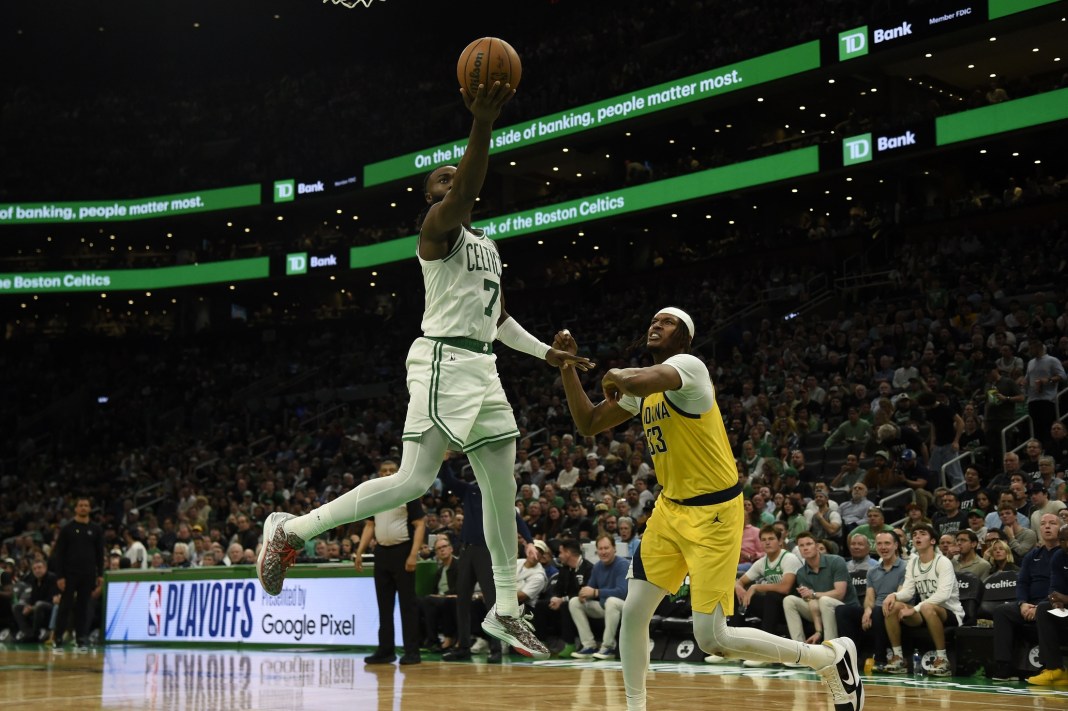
{"x":485,"y":106}
{"x":589,"y":418}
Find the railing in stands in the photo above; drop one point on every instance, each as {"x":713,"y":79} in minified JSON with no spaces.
{"x":1012,"y":426}
{"x":959,"y":486}
{"x":324,"y":413}
{"x":1057,"y":404}
{"x":903,"y":495}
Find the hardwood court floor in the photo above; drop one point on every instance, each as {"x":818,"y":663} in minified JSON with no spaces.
{"x":170,"y":679}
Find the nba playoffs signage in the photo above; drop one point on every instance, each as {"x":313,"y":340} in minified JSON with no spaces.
{"x":126,"y":210}
{"x":290,"y":190}
{"x":309,"y":611}
{"x":867,"y":146}
{"x":628,"y":200}
{"x":750,"y":72}
{"x":134,"y":279}
{"x":926,"y":22}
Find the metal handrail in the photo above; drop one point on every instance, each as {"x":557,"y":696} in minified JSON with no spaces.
{"x":896,"y":495}
{"x":313,"y":418}
{"x":254,"y":445}
{"x":1057,"y":405}
{"x":956,"y":459}
{"x":145,"y":489}
{"x":1012,"y":425}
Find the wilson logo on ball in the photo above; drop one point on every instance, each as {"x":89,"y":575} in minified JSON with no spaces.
{"x":488,"y":60}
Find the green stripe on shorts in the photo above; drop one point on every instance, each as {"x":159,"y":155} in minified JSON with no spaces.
{"x":435,"y":377}
{"x":491,"y":439}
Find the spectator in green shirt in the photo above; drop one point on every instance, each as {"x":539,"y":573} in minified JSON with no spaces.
{"x":853,"y":431}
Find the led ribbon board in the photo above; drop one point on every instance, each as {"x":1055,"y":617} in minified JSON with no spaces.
{"x":1001,"y":118}
{"x":669,"y":95}
{"x":97,"y":280}
{"x":620,"y":202}
{"x":126,"y":210}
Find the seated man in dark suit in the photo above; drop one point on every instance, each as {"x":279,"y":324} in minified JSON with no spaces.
{"x":439,"y":607}
{"x":552,"y":619}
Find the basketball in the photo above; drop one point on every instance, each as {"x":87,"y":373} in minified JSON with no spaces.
{"x":487,"y":60}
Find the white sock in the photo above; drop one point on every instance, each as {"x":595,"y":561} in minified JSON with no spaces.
{"x":816,"y":656}
{"x":898,"y":652}
{"x":504,"y":579}
{"x":636,"y":703}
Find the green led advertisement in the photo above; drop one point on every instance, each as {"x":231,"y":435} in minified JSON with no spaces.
{"x":739,"y":75}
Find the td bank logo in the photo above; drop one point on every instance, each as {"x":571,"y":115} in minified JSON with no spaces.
{"x":856,"y":149}
{"x":852,"y":43}
{"x":296,"y":263}
{"x":283,"y":190}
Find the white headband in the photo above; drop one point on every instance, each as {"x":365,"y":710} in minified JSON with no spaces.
{"x":681,"y":315}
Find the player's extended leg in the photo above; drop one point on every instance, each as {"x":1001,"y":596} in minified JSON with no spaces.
{"x":493,"y":465}
{"x":642,"y":600}
{"x":835,"y":660}
{"x":284,"y":534}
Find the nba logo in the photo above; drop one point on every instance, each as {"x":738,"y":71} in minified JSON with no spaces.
{"x":155,"y":609}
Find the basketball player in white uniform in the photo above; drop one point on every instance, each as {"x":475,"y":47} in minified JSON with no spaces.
{"x":457,"y":401}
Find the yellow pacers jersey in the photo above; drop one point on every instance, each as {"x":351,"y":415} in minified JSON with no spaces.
{"x":685,"y":434}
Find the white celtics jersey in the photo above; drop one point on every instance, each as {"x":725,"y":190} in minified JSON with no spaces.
{"x":463,"y":290}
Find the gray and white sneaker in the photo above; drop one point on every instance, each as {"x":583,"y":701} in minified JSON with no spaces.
{"x":516,"y":631}
{"x":278,"y":552}
{"x":842,"y":676}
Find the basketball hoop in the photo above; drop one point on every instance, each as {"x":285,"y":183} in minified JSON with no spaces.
{"x":352,"y":3}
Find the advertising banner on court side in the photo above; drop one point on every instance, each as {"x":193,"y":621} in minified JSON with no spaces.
{"x":714,"y":82}
{"x":309,"y":611}
{"x":126,"y":210}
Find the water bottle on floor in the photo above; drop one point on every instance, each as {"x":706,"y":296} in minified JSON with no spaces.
{"x":917,"y":664}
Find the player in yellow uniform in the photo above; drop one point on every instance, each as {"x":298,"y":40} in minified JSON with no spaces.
{"x":696,"y":527}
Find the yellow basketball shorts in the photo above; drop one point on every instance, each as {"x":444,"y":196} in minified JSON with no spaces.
{"x":704,"y":541}
{"x":458,"y":391}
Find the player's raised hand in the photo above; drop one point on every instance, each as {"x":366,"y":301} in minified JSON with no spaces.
{"x":487,"y":102}
{"x":564,"y":353}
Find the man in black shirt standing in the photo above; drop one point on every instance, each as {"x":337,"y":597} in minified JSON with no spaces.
{"x":79,"y":565}
{"x":946,"y":428}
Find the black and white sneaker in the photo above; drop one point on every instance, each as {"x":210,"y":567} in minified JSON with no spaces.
{"x":842,"y":676}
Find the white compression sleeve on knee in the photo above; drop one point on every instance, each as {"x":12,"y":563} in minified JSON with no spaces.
{"x":511,"y":334}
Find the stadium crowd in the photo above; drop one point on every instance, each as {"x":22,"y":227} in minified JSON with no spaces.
{"x":846,"y":422}
{"x":829,"y":416}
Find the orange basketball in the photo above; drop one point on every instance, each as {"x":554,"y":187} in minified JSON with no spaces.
{"x":487,"y":60}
